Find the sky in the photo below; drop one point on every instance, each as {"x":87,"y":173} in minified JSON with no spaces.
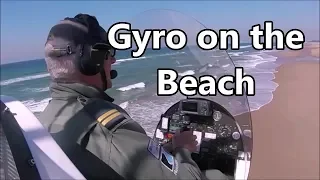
{"x":25,"y":24}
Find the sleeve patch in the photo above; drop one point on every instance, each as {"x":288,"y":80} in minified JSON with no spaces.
{"x":162,"y":155}
{"x":154,"y":148}
{"x":167,"y":159}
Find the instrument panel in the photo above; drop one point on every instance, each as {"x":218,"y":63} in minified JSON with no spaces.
{"x":216,"y":130}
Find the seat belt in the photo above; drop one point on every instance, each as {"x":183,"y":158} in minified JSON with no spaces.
{"x":21,"y":153}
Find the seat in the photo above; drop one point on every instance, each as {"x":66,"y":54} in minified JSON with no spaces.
{"x":45,"y":156}
{"x":8,"y":168}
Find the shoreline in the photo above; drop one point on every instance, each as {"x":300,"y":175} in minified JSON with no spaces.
{"x":310,"y":53}
{"x":286,"y":130}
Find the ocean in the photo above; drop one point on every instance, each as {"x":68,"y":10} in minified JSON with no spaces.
{"x":135,"y":87}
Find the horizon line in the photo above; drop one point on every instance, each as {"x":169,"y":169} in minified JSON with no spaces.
{"x":41,"y":58}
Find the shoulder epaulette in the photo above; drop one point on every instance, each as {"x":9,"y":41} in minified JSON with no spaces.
{"x":105,"y":113}
{"x":110,"y":118}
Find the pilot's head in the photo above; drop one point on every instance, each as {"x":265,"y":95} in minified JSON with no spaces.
{"x":77,"y":50}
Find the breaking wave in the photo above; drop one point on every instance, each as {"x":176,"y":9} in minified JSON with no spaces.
{"x":188,"y":72}
{"x":36,"y":89}
{"x":25,"y":78}
{"x":118,"y":61}
{"x":36,"y":106}
{"x":139,"y":85}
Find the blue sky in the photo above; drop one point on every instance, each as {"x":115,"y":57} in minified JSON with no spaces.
{"x":25,"y":24}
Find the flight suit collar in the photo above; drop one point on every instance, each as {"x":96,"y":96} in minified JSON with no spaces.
{"x":70,"y":90}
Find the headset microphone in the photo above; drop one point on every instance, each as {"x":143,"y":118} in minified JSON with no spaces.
{"x":113,"y":74}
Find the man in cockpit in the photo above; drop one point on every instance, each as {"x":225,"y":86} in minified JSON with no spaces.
{"x":95,"y":133}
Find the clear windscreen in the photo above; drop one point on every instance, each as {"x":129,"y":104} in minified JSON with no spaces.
{"x":137,"y":79}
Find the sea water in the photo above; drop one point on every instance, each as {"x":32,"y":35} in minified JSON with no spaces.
{"x":135,"y":87}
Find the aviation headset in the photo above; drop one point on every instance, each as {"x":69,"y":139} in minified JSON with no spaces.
{"x":92,"y":48}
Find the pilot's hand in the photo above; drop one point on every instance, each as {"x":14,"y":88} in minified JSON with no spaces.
{"x":186,"y":140}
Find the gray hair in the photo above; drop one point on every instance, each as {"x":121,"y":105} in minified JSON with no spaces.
{"x":62,"y":67}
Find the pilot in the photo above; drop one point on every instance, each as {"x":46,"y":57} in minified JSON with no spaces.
{"x":98,"y":136}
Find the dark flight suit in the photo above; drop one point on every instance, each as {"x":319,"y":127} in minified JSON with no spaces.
{"x":82,"y":116}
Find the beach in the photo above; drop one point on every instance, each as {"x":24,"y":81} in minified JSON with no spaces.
{"x":286,"y":131}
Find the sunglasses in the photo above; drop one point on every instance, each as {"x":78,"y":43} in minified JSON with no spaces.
{"x":109,"y":50}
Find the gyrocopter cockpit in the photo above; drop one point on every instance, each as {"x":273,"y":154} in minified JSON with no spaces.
{"x":221,"y":123}
{"x":217,"y":132}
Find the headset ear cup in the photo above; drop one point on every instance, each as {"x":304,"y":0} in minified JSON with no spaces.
{"x":87,"y":65}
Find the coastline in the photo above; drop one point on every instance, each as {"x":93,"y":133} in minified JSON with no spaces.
{"x":310,"y":52}
{"x":286,"y":131}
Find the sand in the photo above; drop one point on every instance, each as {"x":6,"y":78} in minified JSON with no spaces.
{"x":286,"y":131}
